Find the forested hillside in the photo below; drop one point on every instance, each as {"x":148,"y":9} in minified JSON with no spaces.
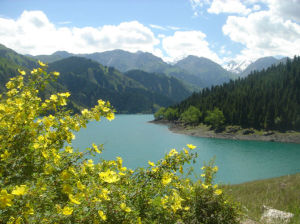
{"x":269,"y":99}
{"x":89,"y":81}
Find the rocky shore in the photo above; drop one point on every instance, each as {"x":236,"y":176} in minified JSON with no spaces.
{"x":233,"y":132}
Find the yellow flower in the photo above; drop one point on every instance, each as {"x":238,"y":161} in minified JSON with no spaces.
{"x":41,"y":63}
{"x":5,"y":199}
{"x":139,"y":220}
{"x":55,"y":74}
{"x":20,"y":190}
{"x":155,"y":169}
{"x":151,"y":163}
{"x":110,"y":116}
{"x":203,"y":175}
{"x":123,"y":168}
{"x":95,"y":147}
{"x":186,"y":151}
{"x":21,"y":72}
{"x":67,"y":210}
{"x":19,"y":220}
{"x":90,"y":164}
{"x":84,"y":112}
{"x":102,"y":215}
{"x":215,"y":169}
{"x":109,"y":176}
{"x":34,"y":71}
{"x":218,"y":192}
{"x":124,"y":207}
{"x":166,"y":179}
{"x":80,"y":186}
{"x":10,"y":85}
{"x":5,"y":155}
{"x":173,"y":152}
{"x":205,"y":186}
{"x":65,"y":175}
{"x":190,"y":146}
{"x":181,"y":169}
{"x":53,"y":98}
{"x":104,"y":194}
{"x":69,"y":149}
{"x":101,"y":102}
{"x":119,"y":162}
{"x":203,"y":167}
{"x":74,"y":200}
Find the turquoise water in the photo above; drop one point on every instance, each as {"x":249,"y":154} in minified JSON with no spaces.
{"x":137,"y":141}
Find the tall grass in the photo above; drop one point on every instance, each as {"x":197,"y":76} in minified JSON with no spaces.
{"x":282,"y":193}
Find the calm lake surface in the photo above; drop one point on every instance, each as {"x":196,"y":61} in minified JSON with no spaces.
{"x":137,"y":141}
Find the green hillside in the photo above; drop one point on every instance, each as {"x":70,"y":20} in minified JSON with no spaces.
{"x":269,"y":99}
{"x":161,"y":84}
{"x":89,"y":81}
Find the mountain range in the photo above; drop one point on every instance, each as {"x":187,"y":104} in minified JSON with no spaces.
{"x":131,"y":92}
{"x":133,"y":82}
{"x":199,"y":72}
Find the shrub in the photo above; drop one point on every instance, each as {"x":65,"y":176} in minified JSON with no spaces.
{"x":160,"y":113}
{"x":45,"y":180}
{"x":171,"y":114}
{"x":215,"y":118}
{"x":191,"y":116}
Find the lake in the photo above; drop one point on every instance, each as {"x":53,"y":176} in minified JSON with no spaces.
{"x":137,"y":141}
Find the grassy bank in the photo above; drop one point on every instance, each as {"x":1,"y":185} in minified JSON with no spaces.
{"x":282,"y":193}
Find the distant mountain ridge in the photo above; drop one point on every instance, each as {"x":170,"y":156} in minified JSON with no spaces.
{"x":244,"y":68}
{"x":88,"y":81}
{"x":207,"y":73}
{"x":200,"y":72}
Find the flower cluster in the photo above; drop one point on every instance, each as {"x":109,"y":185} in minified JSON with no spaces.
{"x":43,"y":179}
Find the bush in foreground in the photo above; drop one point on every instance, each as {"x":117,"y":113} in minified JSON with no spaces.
{"x":43,"y":179}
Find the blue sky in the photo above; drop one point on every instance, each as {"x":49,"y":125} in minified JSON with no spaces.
{"x":221,"y":30}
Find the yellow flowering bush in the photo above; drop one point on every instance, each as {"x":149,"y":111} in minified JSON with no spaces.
{"x":43,"y":179}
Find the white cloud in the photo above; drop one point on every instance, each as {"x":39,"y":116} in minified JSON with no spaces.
{"x":34,"y":34}
{"x":157,"y":27}
{"x":64,"y":22}
{"x":223,"y":50}
{"x":263,"y":34}
{"x":288,"y":9}
{"x":197,"y":5}
{"x":161,"y":36}
{"x":173,"y":28}
{"x":184,"y":43}
{"x":228,"y":6}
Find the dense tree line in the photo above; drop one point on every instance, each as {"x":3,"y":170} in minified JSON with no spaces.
{"x":269,"y":99}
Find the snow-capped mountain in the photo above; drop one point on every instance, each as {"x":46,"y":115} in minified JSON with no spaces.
{"x":237,"y":67}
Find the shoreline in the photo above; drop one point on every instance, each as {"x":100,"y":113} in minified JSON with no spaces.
{"x":233,"y":133}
